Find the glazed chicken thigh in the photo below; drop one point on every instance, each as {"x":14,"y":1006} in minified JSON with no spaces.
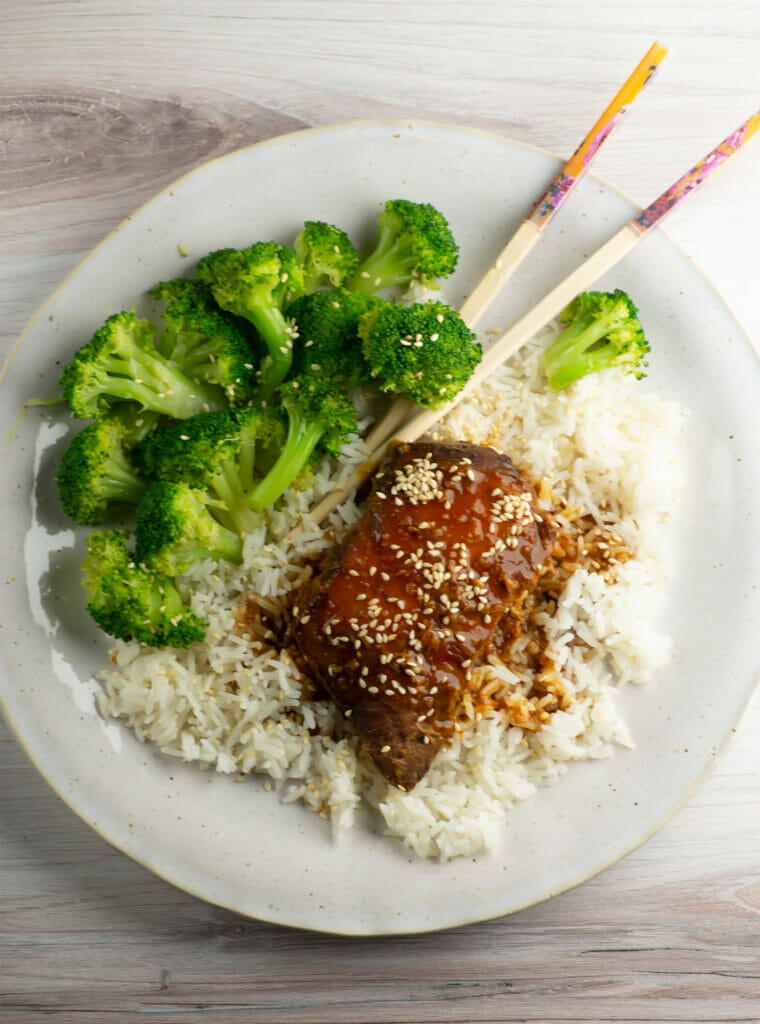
{"x":451,"y":539}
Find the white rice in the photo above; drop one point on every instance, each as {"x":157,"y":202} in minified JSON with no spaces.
{"x":604,"y":444}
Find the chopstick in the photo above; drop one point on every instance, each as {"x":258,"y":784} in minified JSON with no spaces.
{"x":604,"y":259}
{"x":531,"y":228}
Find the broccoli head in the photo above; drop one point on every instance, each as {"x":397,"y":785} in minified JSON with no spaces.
{"x":122,"y":364}
{"x":601,"y":329}
{"x":95,"y":472}
{"x":206,"y":343}
{"x":424,"y":352}
{"x":130,"y":603}
{"x":328,"y":336}
{"x":415,"y":243}
{"x":175,"y":528}
{"x":325,"y":254}
{"x":257,"y":284}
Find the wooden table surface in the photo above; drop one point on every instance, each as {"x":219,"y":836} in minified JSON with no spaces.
{"x":103,"y":103}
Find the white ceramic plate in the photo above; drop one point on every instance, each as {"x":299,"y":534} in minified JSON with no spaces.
{"x":235,"y":845}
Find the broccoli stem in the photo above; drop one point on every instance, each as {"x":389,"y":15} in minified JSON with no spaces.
{"x":228,"y":547}
{"x":153,"y":384}
{"x":225,"y":545}
{"x":120,"y":481}
{"x":274,"y":330}
{"x":168,"y":604}
{"x":572,"y":355}
{"x":196,"y":358}
{"x":239,"y":516}
{"x":137,"y":422}
{"x":389,"y":264}
{"x":246,"y":456}
{"x":303,"y":437}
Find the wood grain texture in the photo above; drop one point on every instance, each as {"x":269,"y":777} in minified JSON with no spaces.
{"x":101,"y":104}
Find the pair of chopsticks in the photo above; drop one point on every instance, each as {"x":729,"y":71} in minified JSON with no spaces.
{"x":396,"y":425}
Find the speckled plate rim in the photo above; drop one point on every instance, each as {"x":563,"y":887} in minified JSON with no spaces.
{"x":144,"y":858}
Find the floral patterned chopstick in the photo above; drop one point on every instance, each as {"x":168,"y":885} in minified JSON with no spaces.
{"x":526,"y":236}
{"x":582,"y":158}
{"x":709,"y":165}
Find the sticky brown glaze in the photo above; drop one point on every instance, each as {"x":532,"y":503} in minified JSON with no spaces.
{"x":451,"y":539}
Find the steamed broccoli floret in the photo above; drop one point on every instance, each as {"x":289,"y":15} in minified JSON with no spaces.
{"x":257,"y":283}
{"x":424,"y":352}
{"x":206,"y":343}
{"x":215,"y":451}
{"x":320,"y":420}
{"x":325,"y":254}
{"x":130,"y":603}
{"x":328,"y":336}
{"x":175,"y":528}
{"x":415,"y":243}
{"x":95,"y":472}
{"x":121,"y":364}
{"x":602,"y":329}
